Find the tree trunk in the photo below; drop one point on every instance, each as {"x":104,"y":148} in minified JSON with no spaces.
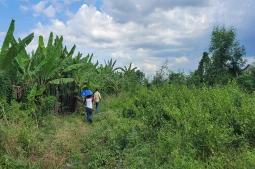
{"x":75,"y":102}
{"x":56,"y":102}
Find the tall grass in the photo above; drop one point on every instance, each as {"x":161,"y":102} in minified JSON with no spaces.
{"x":167,"y":127}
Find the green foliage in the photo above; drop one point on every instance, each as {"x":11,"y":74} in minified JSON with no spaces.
{"x":226,"y":59}
{"x":47,"y":105}
{"x":184,"y":128}
{"x":226,"y":50}
{"x":10,"y":48}
{"x":9,"y":162}
{"x":173,"y":126}
{"x":178,"y":78}
{"x":193,"y":79}
{"x":161,"y":76}
{"x":16,"y":144}
{"x":7,"y":41}
{"x":203,"y":67}
{"x":5,"y":87}
{"x":247,"y":80}
{"x":114,"y":83}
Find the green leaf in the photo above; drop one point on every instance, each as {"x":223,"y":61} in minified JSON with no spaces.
{"x":57,"y":52}
{"x":50,"y":40}
{"x":32,"y":93}
{"x":40,"y":91}
{"x":41,"y":45}
{"x":71,"y":51}
{"x":5,"y":47}
{"x":72,"y":67}
{"x":61,"y":81}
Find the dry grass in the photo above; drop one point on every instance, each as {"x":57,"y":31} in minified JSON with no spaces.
{"x":57,"y":142}
{"x":55,"y":150}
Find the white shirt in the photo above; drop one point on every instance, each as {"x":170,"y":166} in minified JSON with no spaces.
{"x":89,"y":103}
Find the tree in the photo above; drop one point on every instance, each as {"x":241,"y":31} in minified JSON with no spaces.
{"x":129,"y":77}
{"x":44,"y":67}
{"x":161,"y":76}
{"x":127,"y":70}
{"x":247,"y":79}
{"x":203,"y":67}
{"x":114,"y":82}
{"x":106,"y":76}
{"x":9,"y":51}
{"x":109,"y":67}
{"x":140,"y":76}
{"x":226,"y":52}
{"x":193,"y":79}
{"x":247,"y":82}
{"x":178,"y":78}
{"x":11,"y":48}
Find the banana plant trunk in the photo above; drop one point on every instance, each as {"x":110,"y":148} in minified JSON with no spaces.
{"x":56,"y":102}
{"x":75,"y":102}
{"x":116,"y":93}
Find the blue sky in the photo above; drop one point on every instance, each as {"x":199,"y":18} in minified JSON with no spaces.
{"x":145,"y":33}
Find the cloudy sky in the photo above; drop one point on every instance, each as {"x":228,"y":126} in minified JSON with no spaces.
{"x":146,"y":33}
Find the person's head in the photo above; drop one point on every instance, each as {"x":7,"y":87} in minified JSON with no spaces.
{"x":96,"y":89}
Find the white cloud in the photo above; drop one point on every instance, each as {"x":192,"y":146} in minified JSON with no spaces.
{"x":96,"y":30}
{"x":146,"y":33}
{"x":23,"y":8}
{"x":39,"y":8}
{"x":69,"y":13}
{"x":50,"y":11}
{"x":151,"y":67}
{"x":67,"y":2}
{"x":142,"y":52}
{"x":250,"y":59}
{"x":182,"y":59}
{"x":120,"y":54}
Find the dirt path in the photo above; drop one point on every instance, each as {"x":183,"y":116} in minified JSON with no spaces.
{"x":60,"y":141}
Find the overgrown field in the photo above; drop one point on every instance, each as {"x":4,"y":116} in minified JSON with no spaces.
{"x":168,"y":127}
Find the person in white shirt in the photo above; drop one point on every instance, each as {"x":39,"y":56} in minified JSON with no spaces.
{"x":97,"y":98}
{"x":89,"y":108}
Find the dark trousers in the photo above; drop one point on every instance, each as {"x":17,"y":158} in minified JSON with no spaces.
{"x":89,"y":114}
{"x":97,"y":107}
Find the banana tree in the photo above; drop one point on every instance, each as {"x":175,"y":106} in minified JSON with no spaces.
{"x":109,"y":66}
{"x":105,"y":72}
{"x":10,"y":50}
{"x":44,"y":68}
{"x":129,"y":78}
{"x":84,"y":75}
{"x":51,"y":61}
{"x":127,"y":70}
{"x":114,"y":82}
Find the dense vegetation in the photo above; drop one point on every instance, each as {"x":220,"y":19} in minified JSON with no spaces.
{"x":201,"y":120}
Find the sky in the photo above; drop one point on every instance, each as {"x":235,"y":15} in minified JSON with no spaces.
{"x":145,"y":33}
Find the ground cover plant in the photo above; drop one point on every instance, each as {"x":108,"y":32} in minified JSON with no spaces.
{"x":167,"y":127}
{"x":177,"y":127}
